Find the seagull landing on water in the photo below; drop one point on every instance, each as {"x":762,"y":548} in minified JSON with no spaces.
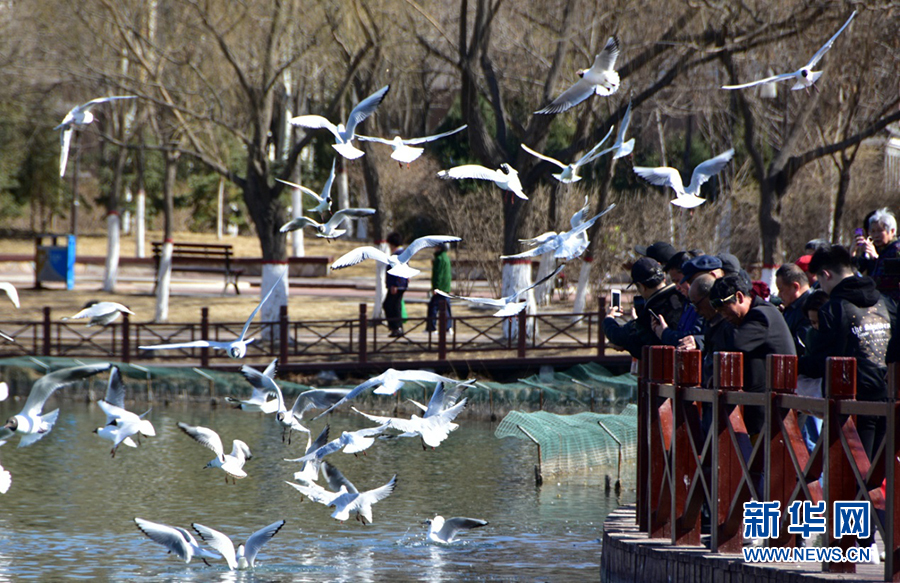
{"x":507,"y":178}
{"x":347,"y":499}
{"x":330,"y":229}
{"x":601,"y":79}
{"x":178,"y":540}
{"x":805,"y":76}
{"x":442,"y":530}
{"x":397,"y":264}
{"x":510,"y":305}
{"x":100,"y":313}
{"x":685,"y":197}
{"x":235,"y":348}
{"x":344,"y":134}
{"x":245,"y":556}
{"x":569,"y":172}
{"x":233,"y":463}
{"x":403,"y":150}
{"x":78,"y":116}
{"x":31,"y":424}
{"x":323,"y":201}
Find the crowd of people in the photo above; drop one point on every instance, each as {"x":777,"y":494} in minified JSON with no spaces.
{"x":831,"y":301}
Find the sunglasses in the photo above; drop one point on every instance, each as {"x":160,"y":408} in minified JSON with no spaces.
{"x":718,"y":303}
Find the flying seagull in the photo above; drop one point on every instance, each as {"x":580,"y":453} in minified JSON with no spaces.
{"x":5,"y":476}
{"x":233,"y":463}
{"x":685,"y":197}
{"x":264,"y":385}
{"x":403,"y":150}
{"x":350,"y":442}
{"x":176,"y":539}
{"x":236,"y":348}
{"x":344,"y":134}
{"x":309,"y":471}
{"x":259,"y":400}
{"x":397,"y":264}
{"x":345,"y":502}
{"x":433,"y":429}
{"x":445,"y":531}
{"x":805,"y":76}
{"x":120,"y":423}
{"x":30,"y":423}
{"x":100,"y":313}
{"x":246,"y":553}
{"x":506,"y":177}
{"x":331,"y":228}
{"x":566,"y":245}
{"x":569,"y":172}
{"x":601,"y":79}
{"x":323,"y":201}
{"x":317,"y":399}
{"x":78,"y":116}
{"x":621,"y":148}
{"x":509,"y":305}
{"x":11,"y":292}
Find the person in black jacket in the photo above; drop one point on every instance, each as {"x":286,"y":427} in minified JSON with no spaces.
{"x":757,"y":330}
{"x":856,"y":321}
{"x":660,"y":300}
{"x":393,"y":301}
{"x":793,"y":289}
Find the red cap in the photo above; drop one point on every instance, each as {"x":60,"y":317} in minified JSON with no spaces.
{"x":803,"y":263}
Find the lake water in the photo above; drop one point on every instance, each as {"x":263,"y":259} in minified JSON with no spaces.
{"x":70,"y":511}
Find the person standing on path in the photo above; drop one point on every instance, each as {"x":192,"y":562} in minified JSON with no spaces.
{"x":441,"y":279}
{"x":396,"y":286}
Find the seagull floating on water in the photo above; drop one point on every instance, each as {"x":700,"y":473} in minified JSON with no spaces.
{"x":403,"y":150}
{"x":569,"y":172}
{"x":507,"y":178}
{"x":331,"y":228}
{"x":685,"y":197}
{"x":78,"y":116}
{"x":509,"y":305}
{"x":246,"y":553}
{"x":30,"y":423}
{"x":601,"y":79}
{"x":805,"y":76}
{"x":120,"y":423}
{"x":235,"y":348}
{"x":442,"y":530}
{"x":323,"y":201}
{"x":233,"y":463}
{"x":100,"y":313}
{"x":397,"y":264}
{"x":178,"y":540}
{"x":344,"y":134}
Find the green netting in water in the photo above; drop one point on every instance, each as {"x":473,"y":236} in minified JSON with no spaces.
{"x":575,"y":443}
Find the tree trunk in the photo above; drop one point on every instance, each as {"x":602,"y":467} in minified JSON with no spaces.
{"x":113,"y":225}
{"x":343,"y":192}
{"x":516,"y":275}
{"x":543,"y":294}
{"x":584,"y":276}
{"x":841,"y":198}
{"x":770,"y":230}
{"x":271,"y":310}
{"x":164,"y":277}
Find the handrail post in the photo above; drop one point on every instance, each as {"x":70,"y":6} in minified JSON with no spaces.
{"x":779,"y":474}
{"x":204,"y":333}
{"x":685,"y":515}
{"x":283,"y":335}
{"x":601,"y":315}
{"x":48,"y":331}
{"x":725,"y":531}
{"x":891,"y":470}
{"x":521,"y":333}
{"x":661,"y":371}
{"x":442,"y":329}
{"x":363,"y":330}
{"x":840,"y":484}
{"x":126,"y":338}
{"x":643,"y":440}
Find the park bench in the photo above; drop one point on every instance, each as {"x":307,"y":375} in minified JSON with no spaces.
{"x":202,"y":258}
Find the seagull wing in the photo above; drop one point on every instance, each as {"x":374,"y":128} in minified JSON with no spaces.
{"x":452,"y":526}
{"x":261,"y":304}
{"x":359,"y":255}
{"x":661,"y":176}
{"x":578,"y":217}
{"x":299,"y":223}
{"x":192,"y":344}
{"x":263,"y":384}
{"x":315,"y":493}
{"x":47,"y":384}
{"x":372,"y":382}
{"x":376,"y":418}
{"x":86,"y":106}
{"x":773,"y":79}
{"x":821,"y":52}
{"x":375,"y":139}
{"x":65,"y":140}
{"x":543,"y":157}
{"x":351,"y":213}
{"x":326,"y":190}
{"x":707,"y":170}
{"x":593,"y":153}
{"x":336,"y":479}
{"x":115,"y":389}
{"x":370,"y":497}
{"x":423,"y":243}
{"x":167,"y":536}
{"x":306,"y":190}
{"x":365,"y":108}
{"x":317,"y":399}
{"x":606,"y":59}
{"x":424,"y":139}
{"x":218,"y":542}
{"x":623,"y":127}
{"x":205,"y":437}
{"x":259,"y":538}
{"x":519,"y":293}
{"x":315,"y":122}
{"x":480,"y":301}
{"x":570,"y":97}
{"x":474,"y":171}
{"x":590,"y":222}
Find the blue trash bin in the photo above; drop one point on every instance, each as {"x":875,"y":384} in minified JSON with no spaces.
{"x":55,"y":262}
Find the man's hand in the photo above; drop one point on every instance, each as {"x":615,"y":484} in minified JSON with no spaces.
{"x":687,"y":343}
{"x":659,"y":325}
{"x":614,"y":312}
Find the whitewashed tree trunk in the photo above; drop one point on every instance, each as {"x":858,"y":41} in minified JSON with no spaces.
{"x":298,"y":247}
{"x":584,"y":276}
{"x":768,"y":276}
{"x":163,"y":283}
{"x":140,"y":223}
{"x":343,"y":195}
{"x":271,"y":310}
{"x":516,"y":276}
{"x":543,"y":294}
{"x":380,"y":288}
{"x":112,"y":252}
{"x":220,"y":208}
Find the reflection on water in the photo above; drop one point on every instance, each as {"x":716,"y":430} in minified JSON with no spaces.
{"x":69,"y":513}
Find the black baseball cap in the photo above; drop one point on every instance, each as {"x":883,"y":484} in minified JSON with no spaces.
{"x":730,"y":263}
{"x":661,"y":251}
{"x":646,"y":269}
{"x":702,"y":264}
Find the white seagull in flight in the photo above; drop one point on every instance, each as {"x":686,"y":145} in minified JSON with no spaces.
{"x":246,"y":553}
{"x":235,"y":348}
{"x":601,"y":79}
{"x":344,"y":134}
{"x":403,"y":150}
{"x":621,"y":148}
{"x":323,"y":201}
{"x":685,"y":197}
{"x":509,"y":305}
{"x":442,"y":530}
{"x":79,"y":116}
{"x":232,"y":464}
{"x":331,"y":228}
{"x":566,"y":245}
{"x":100,"y":313}
{"x":121,"y":424}
{"x":397,"y":264}
{"x":805,"y":76}
{"x":507,"y":178}
{"x":569,"y":172}
{"x":176,"y":539}
{"x":346,"y":501}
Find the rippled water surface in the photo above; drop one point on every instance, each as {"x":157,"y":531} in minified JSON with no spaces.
{"x":70,"y":511}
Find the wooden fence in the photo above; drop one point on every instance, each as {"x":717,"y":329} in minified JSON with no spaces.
{"x":680,"y":469}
